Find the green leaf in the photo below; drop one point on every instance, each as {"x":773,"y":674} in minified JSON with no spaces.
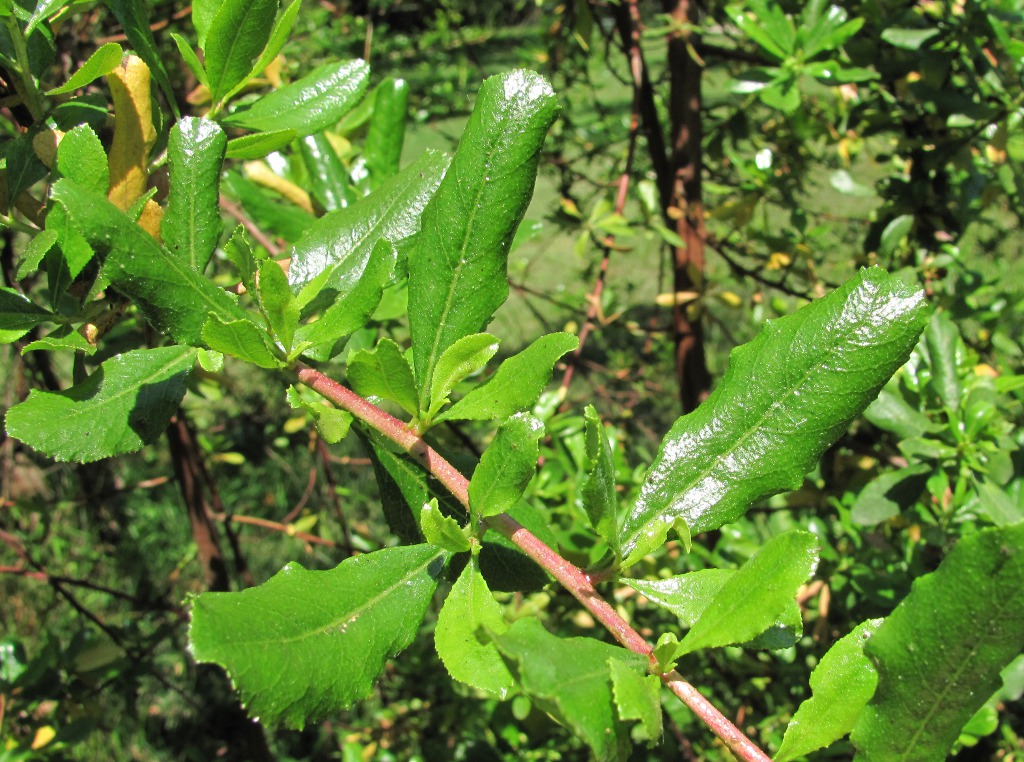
{"x":841,"y":686}
{"x":285,"y":220}
{"x":894,"y":233}
{"x":34,"y":252}
{"x":174,"y":297}
{"x":402,"y":484}
{"x":328,"y":178}
{"x":569,"y":678}
{"x":386,"y":133}
{"x":23,"y":167}
{"x":203,"y":13}
{"x":191,"y":225}
{"x":134,"y":17}
{"x":787,"y":396}
{"x":597,"y":489}
{"x":64,"y":339}
{"x":383,"y":372}
{"x":277,"y":302}
{"x":242,"y":339}
{"x":311,"y":104}
{"x":43,"y":10}
{"x":306,"y":644}
{"x":240,"y":254}
{"x":332,"y":423}
{"x":81,"y":158}
{"x":939,"y":653}
{"x":945,"y":356}
{"x":122,"y":406}
{"x":442,"y":531}
{"x":888,"y":494}
{"x":191,"y":59}
{"x":752,"y":600}
{"x":909,"y":39}
{"x":469,"y":613}
{"x":457,"y":269}
{"x":102,"y":62}
{"x":773,"y":31}
{"x":352,"y":308}
{"x":259,"y":144}
{"x":19,"y":315}
{"x":463,"y":358}
{"x":506,"y":466}
{"x":237,"y":35}
{"x":343,"y":240}
{"x":506,"y":568}
{"x":690,"y":595}
{"x":516,"y":385}
{"x":278,"y":37}
{"x":891,"y":412}
{"x":637,"y":697}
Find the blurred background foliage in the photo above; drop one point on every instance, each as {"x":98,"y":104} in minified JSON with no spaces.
{"x":834,"y":136}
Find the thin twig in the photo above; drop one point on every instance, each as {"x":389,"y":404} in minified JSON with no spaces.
{"x":572,"y":578}
{"x":251,"y":227}
{"x":276,"y":526}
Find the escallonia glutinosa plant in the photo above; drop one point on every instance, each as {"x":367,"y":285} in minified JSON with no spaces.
{"x":101,"y":249}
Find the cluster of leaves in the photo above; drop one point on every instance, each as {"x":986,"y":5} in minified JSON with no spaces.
{"x":371,"y":244}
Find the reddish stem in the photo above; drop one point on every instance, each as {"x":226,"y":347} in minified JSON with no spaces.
{"x":572,"y":578}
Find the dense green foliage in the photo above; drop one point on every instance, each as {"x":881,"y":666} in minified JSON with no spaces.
{"x":252,"y":418}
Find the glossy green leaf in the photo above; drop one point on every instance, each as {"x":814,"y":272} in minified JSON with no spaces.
{"x":277,"y":302}
{"x":307,"y":644}
{"x":44,"y":9}
{"x":123,"y":405}
{"x":328,"y":178}
{"x":507,"y":466}
{"x":241,"y":339}
{"x":191,"y":224}
{"x":463,"y":358}
{"x":841,"y":686}
{"x":18,"y":315}
{"x":569,"y":678}
{"x":278,"y":37}
{"x":690,"y":595}
{"x":134,"y":17}
{"x":461,"y":637}
{"x":80,"y":157}
{"x":753,"y":599}
{"x":344,"y":239}
{"x":637,"y":697}
{"x":352,"y":308}
{"x":174,"y":297}
{"x":442,"y":531}
{"x":516,"y":385}
{"x":237,"y":35}
{"x":191,"y":59}
{"x":386,"y":133}
{"x":940,"y":652}
{"x":787,"y":396}
{"x":597,"y":489}
{"x":102,"y":62}
{"x":402,"y":484}
{"x":311,"y":104}
{"x":259,"y":144}
{"x":383,"y":372}
{"x":457,"y":268}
